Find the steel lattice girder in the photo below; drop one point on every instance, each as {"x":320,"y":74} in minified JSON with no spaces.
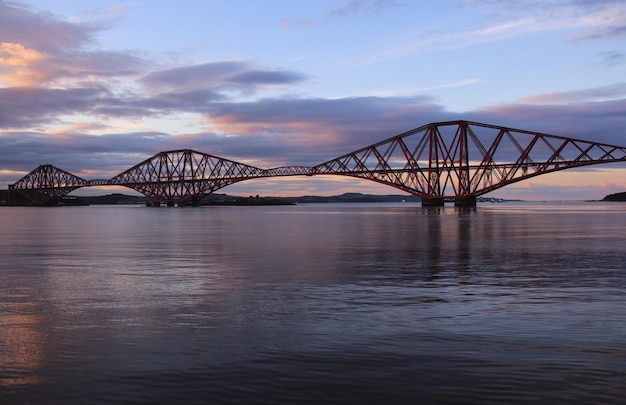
{"x":455,"y":159}
{"x":179,"y":175}
{"x":450,"y":159}
{"x":47,"y":183}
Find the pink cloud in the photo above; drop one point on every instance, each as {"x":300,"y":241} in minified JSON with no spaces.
{"x":38,"y":49}
{"x":120,"y":8}
{"x":286,"y":24}
{"x":616,"y":90}
{"x":16,"y":65}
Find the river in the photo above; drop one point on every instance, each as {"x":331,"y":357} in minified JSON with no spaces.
{"x":314,"y":303}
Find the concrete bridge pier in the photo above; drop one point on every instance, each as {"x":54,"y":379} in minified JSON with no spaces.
{"x":458,"y":202}
{"x":432,"y":202}
{"x":465,"y":202}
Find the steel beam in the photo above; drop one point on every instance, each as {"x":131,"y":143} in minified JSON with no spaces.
{"x":454,"y":160}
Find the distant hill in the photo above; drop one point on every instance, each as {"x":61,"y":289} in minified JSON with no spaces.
{"x":615,"y":197}
{"x":225,"y":199}
{"x":116,"y":198}
{"x":355,"y":197}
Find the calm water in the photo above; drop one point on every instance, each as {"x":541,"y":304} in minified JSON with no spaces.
{"x":507,"y":303}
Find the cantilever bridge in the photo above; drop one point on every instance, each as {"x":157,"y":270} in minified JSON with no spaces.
{"x":457,"y":160}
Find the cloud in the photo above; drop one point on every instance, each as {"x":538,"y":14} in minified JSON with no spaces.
{"x":286,"y":24}
{"x":601,"y":121}
{"x":22,"y":107}
{"x":255,"y":78}
{"x":613,"y":91}
{"x":120,"y":8}
{"x":190,"y":101}
{"x":38,"y":49}
{"x":196,"y":89}
{"x":202,"y":76}
{"x":324,"y":124}
{"x":21,"y":66}
{"x":613,"y":58}
{"x":274,"y":132}
{"x":221,"y":76}
{"x":32,"y":107}
{"x":355,"y":7}
{"x":42,"y":31}
{"x":79,"y":153}
{"x":15,"y":62}
{"x":603,"y":20}
{"x":575,"y":20}
{"x":586,"y":20}
{"x":455,"y":38}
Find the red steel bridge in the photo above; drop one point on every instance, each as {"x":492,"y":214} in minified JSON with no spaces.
{"x":455,"y":160}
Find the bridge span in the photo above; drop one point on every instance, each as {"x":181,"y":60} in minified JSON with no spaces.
{"x":453,"y":160}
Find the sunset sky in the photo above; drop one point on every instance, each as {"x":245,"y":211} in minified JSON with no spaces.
{"x":95,"y":87}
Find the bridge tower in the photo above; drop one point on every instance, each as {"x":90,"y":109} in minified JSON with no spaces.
{"x":448,"y":160}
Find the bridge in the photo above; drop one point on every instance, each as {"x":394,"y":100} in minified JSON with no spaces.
{"x":453,"y":160}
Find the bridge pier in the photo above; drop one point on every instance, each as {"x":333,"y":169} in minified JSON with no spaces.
{"x":465,"y":202}
{"x":458,"y":202}
{"x":432,"y":202}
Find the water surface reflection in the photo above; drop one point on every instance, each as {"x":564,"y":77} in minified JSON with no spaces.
{"x":313,"y":303}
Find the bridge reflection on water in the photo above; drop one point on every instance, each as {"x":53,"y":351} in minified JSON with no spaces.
{"x":454,"y":160}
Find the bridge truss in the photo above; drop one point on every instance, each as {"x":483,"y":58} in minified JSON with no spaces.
{"x":458,"y":160}
{"x":47,"y":184}
{"x":185,"y":175}
{"x":461,"y":160}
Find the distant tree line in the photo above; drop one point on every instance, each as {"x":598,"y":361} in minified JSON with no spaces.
{"x":615,"y":197}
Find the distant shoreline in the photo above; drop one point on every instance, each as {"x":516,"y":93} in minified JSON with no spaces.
{"x":229,"y":200}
